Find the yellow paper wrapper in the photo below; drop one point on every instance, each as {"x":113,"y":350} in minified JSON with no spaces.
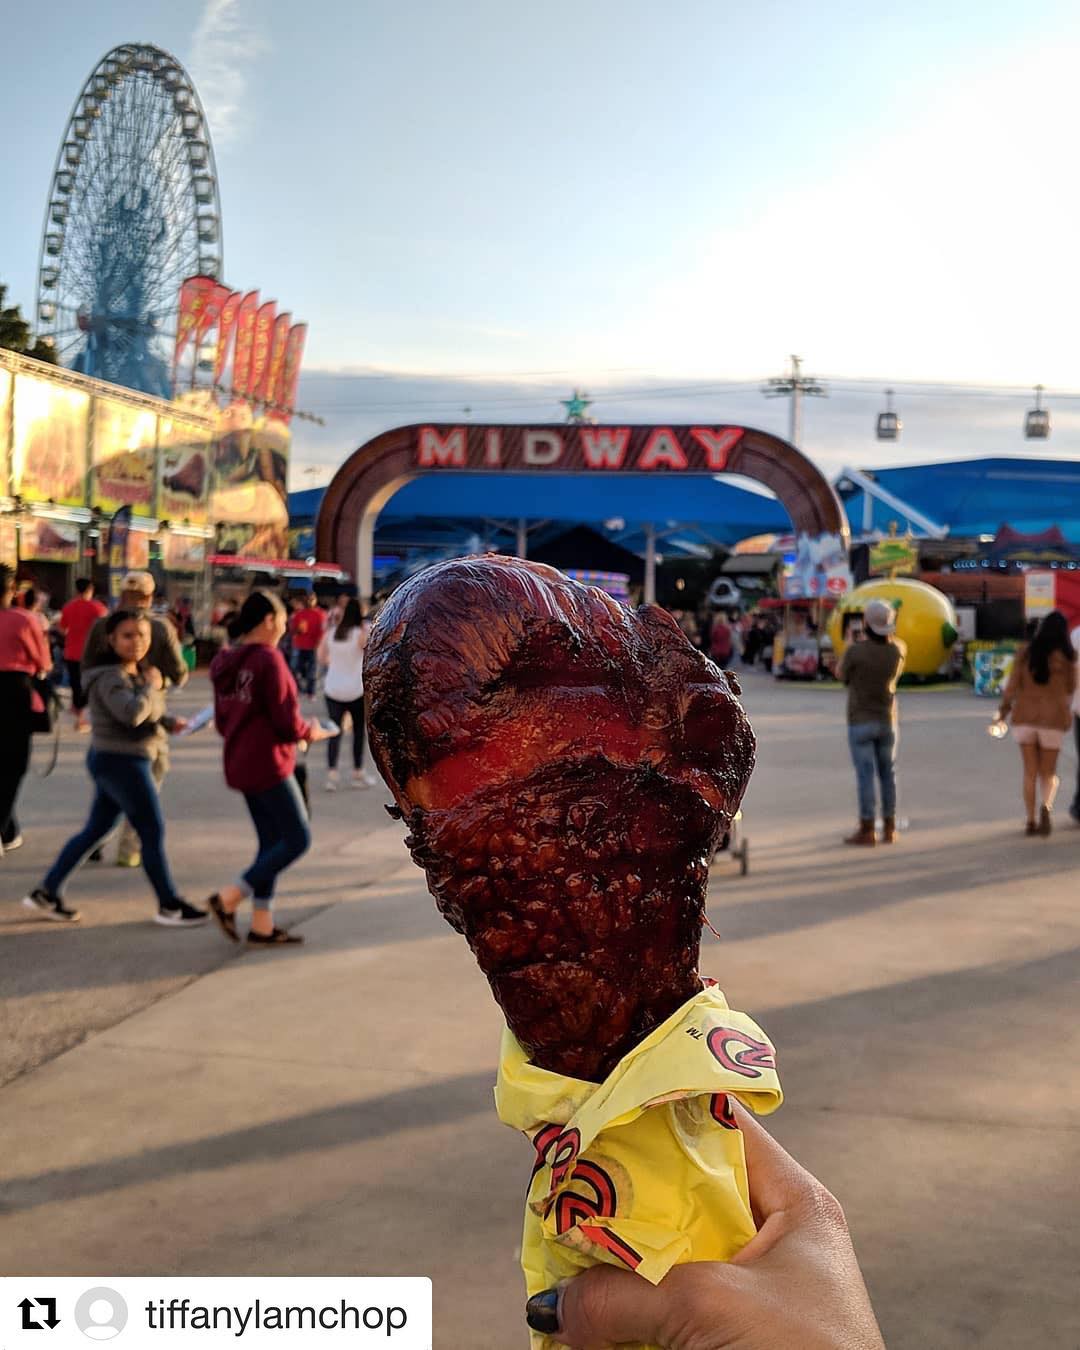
{"x":645,"y":1170}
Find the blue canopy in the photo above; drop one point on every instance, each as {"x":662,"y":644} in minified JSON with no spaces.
{"x":724,"y":511}
{"x":976,"y":496}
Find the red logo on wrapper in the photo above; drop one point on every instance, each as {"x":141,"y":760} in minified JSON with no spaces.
{"x":741,"y":1053}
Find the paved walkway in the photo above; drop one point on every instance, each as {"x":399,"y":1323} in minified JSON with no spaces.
{"x":328,"y":1110}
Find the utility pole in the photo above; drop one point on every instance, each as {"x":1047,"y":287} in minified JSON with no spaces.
{"x":794,"y":386}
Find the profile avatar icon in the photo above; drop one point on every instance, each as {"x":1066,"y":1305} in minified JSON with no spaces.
{"x":101,"y":1313}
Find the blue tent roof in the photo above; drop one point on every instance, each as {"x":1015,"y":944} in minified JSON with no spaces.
{"x":725,"y":511}
{"x":976,"y":496}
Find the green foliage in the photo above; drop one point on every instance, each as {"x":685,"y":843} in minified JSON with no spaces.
{"x":15,"y":333}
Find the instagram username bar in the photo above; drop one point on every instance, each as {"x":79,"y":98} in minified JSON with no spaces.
{"x":210,"y":1312}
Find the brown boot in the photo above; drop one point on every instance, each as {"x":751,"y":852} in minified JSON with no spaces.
{"x":863,"y":835}
{"x":888,"y":834}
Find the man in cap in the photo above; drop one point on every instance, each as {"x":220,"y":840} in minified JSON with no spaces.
{"x":870,"y":669}
{"x":137,"y":593}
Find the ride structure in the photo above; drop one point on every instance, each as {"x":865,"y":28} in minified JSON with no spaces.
{"x":133,"y":210}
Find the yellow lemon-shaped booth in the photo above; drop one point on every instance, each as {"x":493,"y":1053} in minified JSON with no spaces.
{"x":925,"y":619}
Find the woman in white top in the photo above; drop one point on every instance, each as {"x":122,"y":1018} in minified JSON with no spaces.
{"x":342,"y":653}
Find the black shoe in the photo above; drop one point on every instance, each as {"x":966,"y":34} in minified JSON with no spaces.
{"x":280,"y":937}
{"x":50,"y":907}
{"x":181,"y":915}
{"x":226,"y":921}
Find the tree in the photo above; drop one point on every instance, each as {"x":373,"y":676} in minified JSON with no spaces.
{"x":15,"y":333}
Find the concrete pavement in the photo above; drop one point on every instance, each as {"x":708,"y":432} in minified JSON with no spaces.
{"x":328,"y":1109}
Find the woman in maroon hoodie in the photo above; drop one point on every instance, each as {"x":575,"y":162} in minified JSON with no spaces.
{"x":257,"y":710}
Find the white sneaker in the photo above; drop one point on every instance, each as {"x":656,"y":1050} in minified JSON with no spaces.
{"x":17,"y":842}
{"x":332,"y":780}
{"x":362,"y":780}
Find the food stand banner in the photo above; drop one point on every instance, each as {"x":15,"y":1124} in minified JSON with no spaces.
{"x":124,"y":457}
{"x":9,"y":541}
{"x":251,"y":464}
{"x":1039,"y":591}
{"x":48,"y":541}
{"x":5,"y":430}
{"x":820,"y":569}
{"x":182,"y":552}
{"x":48,"y":455}
{"x":894,"y":555}
{"x":183,"y":470}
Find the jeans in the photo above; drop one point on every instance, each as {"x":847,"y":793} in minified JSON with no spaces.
{"x":873,"y":750}
{"x":281,"y":822}
{"x":125,"y":786}
{"x":14,"y":746}
{"x":336,"y":711}
{"x":304,"y":670}
{"x":127,"y":847}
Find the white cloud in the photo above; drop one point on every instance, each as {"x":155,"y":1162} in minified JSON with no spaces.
{"x":223,"y":50}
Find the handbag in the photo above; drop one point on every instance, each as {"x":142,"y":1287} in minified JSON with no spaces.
{"x":44,"y":705}
{"x":45,"y":717}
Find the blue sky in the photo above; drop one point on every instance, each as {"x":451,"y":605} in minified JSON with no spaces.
{"x":618,"y":192}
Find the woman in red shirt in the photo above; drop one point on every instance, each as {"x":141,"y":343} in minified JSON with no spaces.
{"x":257,"y":710}
{"x":23,"y":653}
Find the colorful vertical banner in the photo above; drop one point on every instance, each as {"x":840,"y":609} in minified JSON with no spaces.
{"x":290,"y":375}
{"x":119,"y":532}
{"x":245,"y":333}
{"x":260,"y":350}
{"x":195,"y":294}
{"x":276,"y":366}
{"x":211,"y":313}
{"x":226,"y":324}
{"x":124,"y":457}
{"x":48,"y":445}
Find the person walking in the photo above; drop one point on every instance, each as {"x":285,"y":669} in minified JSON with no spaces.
{"x":342,"y":653}
{"x":870,"y":669}
{"x":306,"y":629}
{"x":127,"y":715}
{"x":721,"y":640}
{"x":257,"y":711}
{"x":137,"y":593}
{"x":1038,"y":696}
{"x":24,"y":653}
{"x":76,"y":619}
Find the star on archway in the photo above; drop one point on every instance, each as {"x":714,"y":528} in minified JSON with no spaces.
{"x":577,"y":406}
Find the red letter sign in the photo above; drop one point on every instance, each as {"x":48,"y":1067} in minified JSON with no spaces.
{"x":433,"y":450}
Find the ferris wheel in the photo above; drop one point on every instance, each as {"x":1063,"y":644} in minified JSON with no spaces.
{"x":132,"y":212}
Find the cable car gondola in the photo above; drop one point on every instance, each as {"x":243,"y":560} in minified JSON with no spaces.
{"x":889,"y":425}
{"x":1037,"y":421}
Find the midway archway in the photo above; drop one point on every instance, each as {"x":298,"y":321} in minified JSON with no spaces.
{"x":372,"y":474}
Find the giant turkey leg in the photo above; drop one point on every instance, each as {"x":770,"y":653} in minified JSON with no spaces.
{"x":566,"y":767}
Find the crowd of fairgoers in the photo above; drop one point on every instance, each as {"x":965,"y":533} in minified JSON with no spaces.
{"x":118,"y":667}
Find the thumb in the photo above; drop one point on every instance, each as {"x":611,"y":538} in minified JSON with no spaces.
{"x":603,"y":1307}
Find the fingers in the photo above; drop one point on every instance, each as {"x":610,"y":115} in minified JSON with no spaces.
{"x":776,"y":1180}
{"x":603,"y":1307}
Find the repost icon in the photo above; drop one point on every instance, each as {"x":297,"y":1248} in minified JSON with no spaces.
{"x":101,"y":1313}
